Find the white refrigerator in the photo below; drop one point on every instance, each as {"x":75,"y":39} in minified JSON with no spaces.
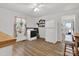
{"x":51,"y":31}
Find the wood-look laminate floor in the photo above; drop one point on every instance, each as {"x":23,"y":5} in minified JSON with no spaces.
{"x":38,"y":47}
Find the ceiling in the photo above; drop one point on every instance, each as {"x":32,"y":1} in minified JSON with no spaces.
{"x":44,"y":8}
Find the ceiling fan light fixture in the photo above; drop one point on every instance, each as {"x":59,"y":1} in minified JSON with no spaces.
{"x":36,"y":9}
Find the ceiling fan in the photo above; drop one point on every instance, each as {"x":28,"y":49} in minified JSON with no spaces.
{"x":36,"y":7}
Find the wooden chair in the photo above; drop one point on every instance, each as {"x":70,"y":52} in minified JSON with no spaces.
{"x":70,"y":44}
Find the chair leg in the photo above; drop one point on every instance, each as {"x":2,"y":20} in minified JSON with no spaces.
{"x":73,"y":50}
{"x":65,"y":50}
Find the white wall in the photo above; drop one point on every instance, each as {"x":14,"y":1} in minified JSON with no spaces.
{"x":58,"y":17}
{"x":7,"y":18}
{"x":31,"y":22}
{"x":77,"y":23}
{"x":42,"y":30}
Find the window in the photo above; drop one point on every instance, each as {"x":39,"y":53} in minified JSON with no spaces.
{"x":68,"y":25}
{"x":20,"y":25}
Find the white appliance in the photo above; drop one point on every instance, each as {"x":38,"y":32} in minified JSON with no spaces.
{"x":51,"y":31}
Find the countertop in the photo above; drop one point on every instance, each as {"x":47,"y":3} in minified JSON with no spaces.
{"x":76,"y":34}
{"x":6,"y":40}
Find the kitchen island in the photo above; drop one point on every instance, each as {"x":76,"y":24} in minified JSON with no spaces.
{"x":6,"y":44}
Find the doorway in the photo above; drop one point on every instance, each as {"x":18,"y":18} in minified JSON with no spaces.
{"x":67,"y":29}
{"x":20,"y":28}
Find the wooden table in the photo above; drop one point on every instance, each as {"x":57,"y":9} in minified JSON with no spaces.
{"x":6,"y":44}
{"x":76,"y":36}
